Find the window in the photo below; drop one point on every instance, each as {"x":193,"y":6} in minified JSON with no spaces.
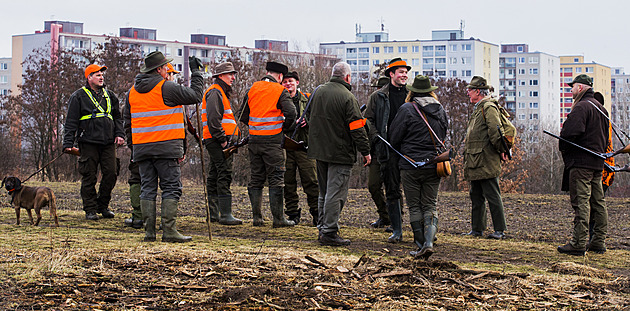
{"x":535,"y":115}
{"x":521,"y":117}
{"x":589,"y":69}
{"x":402,"y":49}
{"x":427,"y":51}
{"x":415,"y":49}
{"x":530,"y":116}
{"x":519,"y":49}
{"x":466,"y":73}
{"x":388,"y":49}
{"x":427,"y":60}
{"x":364,"y":62}
{"x":204,"y":53}
{"x":466,"y":47}
{"x":453,"y":47}
{"x":522,"y":82}
{"x":533,"y":93}
{"x":533,"y":71}
{"x":180,"y":52}
{"x":567,"y":80}
{"x":179,"y":67}
{"x":533,"y":60}
{"x":533,"y":105}
{"x":521,"y":105}
{"x":415,"y":62}
{"x":440,"y":50}
{"x":521,"y":60}
{"x":533,"y":82}
{"x":568,"y":70}
{"x":568,"y":100}
{"x":375,"y":62}
{"x":466,"y":60}
{"x":441,"y":73}
{"x":576,"y":60}
{"x":376,"y":50}
{"x":453,"y":60}
{"x":4,"y":79}
{"x":453,"y":73}
{"x":521,"y":71}
{"x":567,"y":110}
{"x":351,"y":50}
{"x":364,"y":50}
{"x":4,"y":66}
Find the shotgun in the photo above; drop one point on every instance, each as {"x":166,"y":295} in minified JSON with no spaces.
{"x":442,"y":157}
{"x":625,"y":149}
{"x":290,"y":144}
{"x":597,"y":154}
{"x":227,"y":152}
{"x":614,"y":169}
{"x":508,"y":151}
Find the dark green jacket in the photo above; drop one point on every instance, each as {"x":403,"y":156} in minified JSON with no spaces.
{"x":300,"y":101}
{"x":377,"y":115}
{"x":333,"y":110}
{"x":482,"y":159}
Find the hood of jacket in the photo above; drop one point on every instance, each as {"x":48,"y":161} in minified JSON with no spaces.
{"x":145,"y":82}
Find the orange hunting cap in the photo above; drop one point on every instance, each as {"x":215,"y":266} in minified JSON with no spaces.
{"x":171,"y":69}
{"x":93,"y":68}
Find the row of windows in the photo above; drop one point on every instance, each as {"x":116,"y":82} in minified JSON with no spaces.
{"x":511,"y":61}
{"x":521,"y":71}
{"x":532,"y":116}
{"x":429,"y":50}
{"x":577,"y":69}
{"x":524,"y":105}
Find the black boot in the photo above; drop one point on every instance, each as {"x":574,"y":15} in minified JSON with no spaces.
{"x":393,"y":209}
{"x":295,"y":217}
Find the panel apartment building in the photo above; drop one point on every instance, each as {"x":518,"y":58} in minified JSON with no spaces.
{"x":573,"y":65}
{"x":209,"y":48}
{"x":447,"y":55}
{"x":620,"y":102}
{"x":529,"y":83}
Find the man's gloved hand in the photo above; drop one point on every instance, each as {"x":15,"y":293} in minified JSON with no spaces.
{"x":194,"y":63}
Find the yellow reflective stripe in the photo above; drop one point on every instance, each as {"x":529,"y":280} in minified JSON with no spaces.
{"x":98,"y":106}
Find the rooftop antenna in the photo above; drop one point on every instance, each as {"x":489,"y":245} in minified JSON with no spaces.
{"x":462,"y":25}
{"x":382,"y":24}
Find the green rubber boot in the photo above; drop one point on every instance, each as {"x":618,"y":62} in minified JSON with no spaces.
{"x":169,"y":214}
{"x":213,"y":201}
{"x":148,"y":216}
{"x":276,"y":198}
{"x":255,"y":197}
{"x":225,"y":209}
{"x":430,"y":229}
{"x":418,"y":236}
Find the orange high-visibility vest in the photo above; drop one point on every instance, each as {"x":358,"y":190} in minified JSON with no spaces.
{"x":264,"y":116}
{"x":228,"y":122}
{"x":609,"y":177}
{"x":152,"y":120}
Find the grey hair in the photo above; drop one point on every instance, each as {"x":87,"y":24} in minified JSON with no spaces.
{"x":341,"y":70}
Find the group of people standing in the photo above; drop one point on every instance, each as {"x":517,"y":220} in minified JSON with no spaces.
{"x":404,"y":127}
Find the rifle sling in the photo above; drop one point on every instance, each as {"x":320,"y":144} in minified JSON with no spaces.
{"x":431,"y":132}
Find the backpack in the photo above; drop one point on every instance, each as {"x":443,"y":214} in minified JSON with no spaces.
{"x":508,"y":129}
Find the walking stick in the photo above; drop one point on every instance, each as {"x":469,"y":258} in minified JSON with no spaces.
{"x":203,"y":170}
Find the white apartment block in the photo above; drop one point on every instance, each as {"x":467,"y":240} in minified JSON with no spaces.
{"x":620,"y":105}
{"x":209,"y":48}
{"x":529,"y":81}
{"x":5,"y":76}
{"x":446,"y":55}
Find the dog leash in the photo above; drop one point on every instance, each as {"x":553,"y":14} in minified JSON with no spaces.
{"x":43,"y":167}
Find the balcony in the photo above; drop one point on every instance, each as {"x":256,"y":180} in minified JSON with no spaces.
{"x":364,"y":55}
{"x":364,"y":68}
{"x":351,"y":55}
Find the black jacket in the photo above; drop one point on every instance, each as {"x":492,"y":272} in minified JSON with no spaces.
{"x":173,"y":95}
{"x":410,"y":135}
{"x":587,"y":127}
{"x":101,"y":130}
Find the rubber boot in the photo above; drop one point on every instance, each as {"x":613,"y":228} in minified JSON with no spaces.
{"x":430,"y":229}
{"x":255,"y":197}
{"x":395,"y":217}
{"x":148,"y":216}
{"x":135,"y":221}
{"x":213,"y":201}
{"x":276,"y":198}
{"x":418,"y":236}
{"x":225,"y":209}
{"x":169,"y":215}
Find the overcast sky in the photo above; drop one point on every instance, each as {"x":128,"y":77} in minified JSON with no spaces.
{"x":599,"y":30}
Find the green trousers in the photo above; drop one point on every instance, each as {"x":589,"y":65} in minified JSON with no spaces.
{"x":298,"y":161}
{"x":480,"y":191}
{"x":375,"y":186}
{"x":421,"y":192}
{"x":587,"y":200}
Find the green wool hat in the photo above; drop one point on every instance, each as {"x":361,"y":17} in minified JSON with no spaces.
{"x":421,"y":84}
{"x":582,"y":79}
{"x":380,"y":82}
{"x":478,"y":82}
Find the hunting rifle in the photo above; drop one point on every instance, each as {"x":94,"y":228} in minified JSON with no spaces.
{"x":625,"y":149}
{"x":504,"y":143}
{"x":442,"y":157}
{"x":614,"y":169}
{"x":597,"y":154}
{"x":227,"y":152}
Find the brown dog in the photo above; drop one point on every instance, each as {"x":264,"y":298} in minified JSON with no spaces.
{"x":30,"y":198}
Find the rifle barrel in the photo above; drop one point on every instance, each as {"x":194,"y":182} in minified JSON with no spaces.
{"x":597,"y":154}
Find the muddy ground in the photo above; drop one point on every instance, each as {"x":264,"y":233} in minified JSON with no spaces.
{"x":103,"y":265}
